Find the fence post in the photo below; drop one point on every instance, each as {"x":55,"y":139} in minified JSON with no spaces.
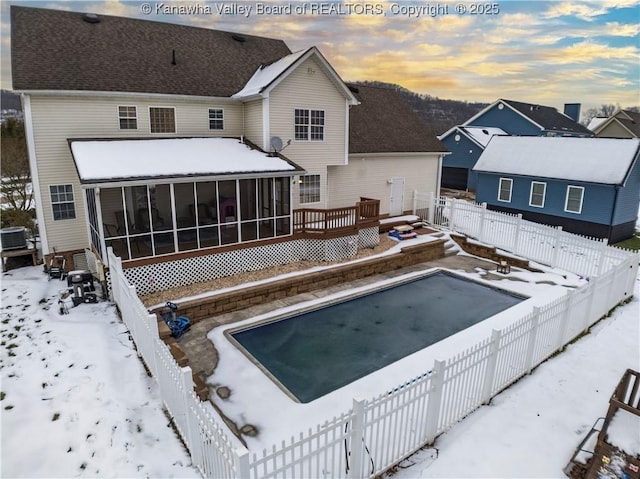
{"x":593,"y":285}
{"x":632,"y":273}
{"x":532,"y":339}
{"x":564,"y":324}
{"x":357,"y":437}
{"x":612,"y":299}
{"x":603,"y":255}
{"x":243,"y":469}
{"x":556,"y":247}
{"x":452,"y":214}
{"x":187,"y":387}
{"x":492,"y":363}
{"x":432,"y":207}
{"x":483,"y":214}
{"x":435,"y":400}
{"x":516,"y":240}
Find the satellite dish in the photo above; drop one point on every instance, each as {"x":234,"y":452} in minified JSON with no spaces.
{"x":276,"y":143}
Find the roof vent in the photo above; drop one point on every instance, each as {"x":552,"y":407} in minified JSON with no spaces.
{"x":354,"y":89}
{"x":91,"y":18}
{"x":238,"y":38}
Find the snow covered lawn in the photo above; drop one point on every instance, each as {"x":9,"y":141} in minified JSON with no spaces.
{"x":76,"y":401}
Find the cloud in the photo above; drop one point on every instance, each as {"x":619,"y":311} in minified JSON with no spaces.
{"x":587,"y":11}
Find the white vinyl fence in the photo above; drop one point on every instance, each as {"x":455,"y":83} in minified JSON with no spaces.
{"x":375,"y":434}
{"x":214,"y":451}
{"x":534,"y":241}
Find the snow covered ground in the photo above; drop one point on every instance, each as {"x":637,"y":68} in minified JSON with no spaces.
{"x":76,"y":401}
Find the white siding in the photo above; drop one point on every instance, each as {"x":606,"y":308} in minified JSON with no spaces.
{"x":55,"y":119}
{"x":309,"y":87}
{"x":367,"y":177}
{"x":253,"y":127}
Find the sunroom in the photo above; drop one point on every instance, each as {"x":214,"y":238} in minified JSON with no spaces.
{"x":159,"y":197}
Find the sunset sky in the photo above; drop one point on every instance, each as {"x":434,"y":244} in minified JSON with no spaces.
{"x":547,"y":52}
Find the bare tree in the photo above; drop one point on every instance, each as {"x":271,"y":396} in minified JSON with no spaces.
{"x":15,"y":188}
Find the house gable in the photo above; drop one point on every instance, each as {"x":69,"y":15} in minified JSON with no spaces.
{"x":266,"y":78}
{"x":622,"y":124}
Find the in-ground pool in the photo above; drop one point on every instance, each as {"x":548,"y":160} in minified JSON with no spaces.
{"x":316,"y":352}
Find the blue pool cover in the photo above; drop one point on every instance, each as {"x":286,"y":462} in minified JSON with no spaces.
{"x":317,"y":352}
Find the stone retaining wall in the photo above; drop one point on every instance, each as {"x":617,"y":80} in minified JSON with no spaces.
{"x":488,"y":252}
{"x":202,"y":308}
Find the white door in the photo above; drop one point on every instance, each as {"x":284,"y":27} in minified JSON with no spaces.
{"x":397,"y":196}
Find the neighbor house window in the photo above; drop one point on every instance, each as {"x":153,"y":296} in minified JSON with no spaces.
{"x":128,"y":117}
{"x":309,"y":124}
{"x":309,"y":188}
{"x":536,"y":197}
{"x":573,"y":202}
{"x":162,"y":120}
{"x":62,"y":202}
{"x":216,"y":119}
{"x":504,"y":191}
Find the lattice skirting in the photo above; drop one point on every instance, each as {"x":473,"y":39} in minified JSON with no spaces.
{"x":183,"y":272}
{"x":368,"y":238}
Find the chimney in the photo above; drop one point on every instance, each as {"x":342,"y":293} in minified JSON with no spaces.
{"x":572,"y":110}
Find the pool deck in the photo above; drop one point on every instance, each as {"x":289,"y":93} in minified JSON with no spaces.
{"x":203,"y":357}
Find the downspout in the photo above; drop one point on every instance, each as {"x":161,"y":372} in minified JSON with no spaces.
{"x":35,"y":179}
{"x":439,"y":176}
{"x":613,"y":210}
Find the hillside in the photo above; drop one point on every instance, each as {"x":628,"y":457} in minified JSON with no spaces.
{"x":441,"y":114}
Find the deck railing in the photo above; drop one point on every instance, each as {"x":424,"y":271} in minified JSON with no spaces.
{"x":321,"y":221}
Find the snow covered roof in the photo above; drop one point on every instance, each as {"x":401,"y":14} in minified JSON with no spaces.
{"x":265,"y":75}
{"x":482,"y":134}
{"x":591,"y":160}
{"x":596,"y":122}
{"x":103,"y":161}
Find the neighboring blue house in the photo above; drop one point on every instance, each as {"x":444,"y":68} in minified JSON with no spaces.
{"x":589,"y":186}
{"x":466,"y":144}
{"x":503,"y":117}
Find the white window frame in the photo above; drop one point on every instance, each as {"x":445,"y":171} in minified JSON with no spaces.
{"x":510,"y":180}
{"x":175,"y":120}
{"x":566,"y":199}
{"x":544,"y":193}
{"x":309,"y":125}
{"x":221,"y":119}
{"x":309,"y":198}
{"x":71,"y":201}
{"x":124,"y":117}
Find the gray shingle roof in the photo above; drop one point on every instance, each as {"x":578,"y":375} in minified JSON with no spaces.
{"x":58,"y":50}
{"x":549,"y":118}
{"x":385,"y":123}
{"x":633,"y":125}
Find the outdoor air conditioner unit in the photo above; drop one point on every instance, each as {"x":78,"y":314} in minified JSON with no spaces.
{"x":14,"y":237}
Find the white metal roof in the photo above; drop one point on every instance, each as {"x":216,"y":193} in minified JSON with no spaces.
{"x":592,"y":160}
{"x":112,"y":160}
